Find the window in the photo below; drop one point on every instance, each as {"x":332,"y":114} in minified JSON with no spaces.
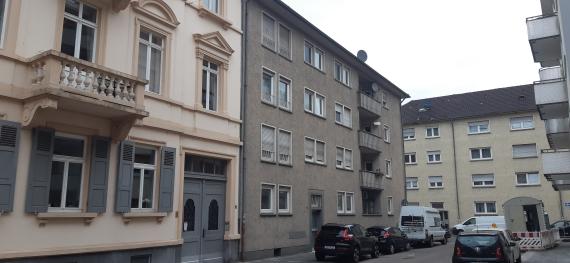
{"x":528,"y":178}
{"x":432,"y":132}
{"x":522,"y":123}
{"x":314,"y":103}
{"x":483,"y":180}
{"x":478,"y":127}
{"x":341,"y":73}
{"x":409,"y":134}
{"x":213,"y":215}
{"x":390,"y":207}
{"x":345,"y":203}
{"x":343,"y":115}
{"x":485,"y":208}
{"x":410,"y":158}
{"x":150,"y":59}
{"x":313,"y":56}
{"x":284,"y":41}
{"x":141,"y":259}
{"x":3,"y":8}
{"x":314,"y":151}
{"x":284,"y":93}
{"x":483,"y":153}
{"x":385,"y":100}
{"x":268,"y":32}
{"x":143,"y":178}
{"x":435,"y":181}
{"x":316,"y":201}
{"x":388,"y":168}
{"x":66,"y":172}
{"x":209,"y":85}
{"x":79,"y":33}
{"x":437,"y":205}
{"x":524,"y":151}
{"x":387,"y":134}
{"x":267,"y":143}
{"x":343,"y":158}
{"x":370,"y":202}
{"x":284,"y":149}
{"x":267,"y":199}
{"x":212,"y":5}
{"x":284,"y":200}
{"x":412,"y":183}
{"x":267,"y":88}
{"x":434,"y":156}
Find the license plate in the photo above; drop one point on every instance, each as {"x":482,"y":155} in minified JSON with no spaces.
{"x":329,"y":247}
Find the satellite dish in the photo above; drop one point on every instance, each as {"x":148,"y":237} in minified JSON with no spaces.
{"x":361,"y":55}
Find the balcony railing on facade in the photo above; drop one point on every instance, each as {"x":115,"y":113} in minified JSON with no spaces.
{"x":371,"y":180}
{"x":369,"y":143}
{"x":544,"y":39}
{"x":556,"y":168}
{"x":551,"y":98}
{"x":370,"y":105}
{"x":558,"y":133}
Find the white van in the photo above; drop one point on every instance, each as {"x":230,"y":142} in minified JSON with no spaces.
{"x":422,"y":225}
{"x":479,"y":223}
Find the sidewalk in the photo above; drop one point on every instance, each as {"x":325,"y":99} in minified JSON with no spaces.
{"x":554,"y":255}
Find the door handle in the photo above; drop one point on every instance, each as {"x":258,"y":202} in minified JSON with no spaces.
{"x":203,"y":233}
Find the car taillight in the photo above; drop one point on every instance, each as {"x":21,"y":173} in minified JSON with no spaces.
{"x":386,"y":234}
{"x":458,"y":251}
{"x":346,"y":236}
{"x":499,"y":252}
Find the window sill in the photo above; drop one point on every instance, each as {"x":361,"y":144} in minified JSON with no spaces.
{"x":388,"y":177}
{"x":484,"y":186}
{"x":527,"y":185}
{"x":344,"y":84}
{"x":286,"y":214}
{"x":516,"y":130}
{"x":267,"y":214}
{"x":345,"y":169}
{"x":435,"y":188}
{"x":268,"y":161}
{"x":390,"y":214}
{"x":311,"y":65}
{"x":479,"y":133}
{"x":315,"y":163}
{"x":343,"y":125}
{"x":526,"y":157}
{"x":345,"y":214}
{"x":412,"y":139}
{"x":413,"y":189}
{"x":434,"y":162}
{"x":388,"y":142}
{"x":203,"y":12}
{"x":387,"y":108}
{"x":286,"y":164}
{"x":411,"y":163}
{"x":286,"y":109}
{"x":285,"y":57}
{"x":128,"y":217}
{"x":485,"y":214}
{"x":58,"y":216}
{"x":481,"y":160}
{"x":269,"y":103}
{"x":314,"y":114}
{"x":433,"y":137}
{"x":372,"y":215}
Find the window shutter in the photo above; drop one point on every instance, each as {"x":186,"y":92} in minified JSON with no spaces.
{"x":284,"y":141}
{"x":346,"y":118}
{"x":9,"y":141}
{"x":526,"y":150}
{"x":320,"y":151}
{"x":268,"y":143}
{"x":167,"y":175}
{"x":125,"y":177}
{"x":37,"y":195}
{"x":269,"y":31}
{"x":348,"y":159}
{"x":97,"y":197}
{"x":309,"y":149}
{"x":339,"y":157}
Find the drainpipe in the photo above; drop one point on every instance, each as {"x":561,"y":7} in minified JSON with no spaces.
{"x":402,"y":155}
{"x":561,"y":204}
{"x":241,"y":198}
{"x":455,"y":172}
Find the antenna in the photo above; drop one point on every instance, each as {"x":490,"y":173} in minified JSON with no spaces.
{"x":361,"y":55}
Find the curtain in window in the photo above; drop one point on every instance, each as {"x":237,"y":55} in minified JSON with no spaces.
{"x":268,"y":31}
{"x":339,"y":156}
{"x":348,"y":159}
{"x":346,"y":118}
{"x":267,"y":142}
{"x":284,"y":41}
{"x":284,"y":146}
{"x":309,"y":149}
{"x":526,"y":150}
{"x":320,"y":152}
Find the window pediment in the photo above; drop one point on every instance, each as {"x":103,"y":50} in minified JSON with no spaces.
{"x":157,"y":10}
{"x":214,"y":41}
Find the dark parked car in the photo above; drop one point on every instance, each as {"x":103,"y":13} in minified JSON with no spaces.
{"x":563,"y":228}
{"x":483,"y":247}
{"x":342,"y":240}
{"x":391,"y":239}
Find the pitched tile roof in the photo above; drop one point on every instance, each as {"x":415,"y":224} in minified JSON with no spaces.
{"x":469,"y":105}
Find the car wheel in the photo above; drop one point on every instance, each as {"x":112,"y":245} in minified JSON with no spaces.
{"x":391,"y":249}
{"x":408,"y":246}
{"x":320,"y":257}
{"x":430,"y":242}
{"x":376,"y":252}
{"x":519,"y":260}
{"x":355,"y":255}
{"x":444,"y":241}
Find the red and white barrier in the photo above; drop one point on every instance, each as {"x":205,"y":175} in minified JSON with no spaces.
{"x":538,"y":240}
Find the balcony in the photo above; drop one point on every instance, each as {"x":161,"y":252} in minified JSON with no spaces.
{"x":369,"y":143}
{"x":558,"y":133}
{"x":371,"y":180}
{"x":556,"y":167}
{"x":544,"y":39}
{"x":371,"y":106}
{"x":64,"y":83}
{"x":550,"y":73}
{"x":551,"y":99}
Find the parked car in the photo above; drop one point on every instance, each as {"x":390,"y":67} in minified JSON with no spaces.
{"x":342,"y":240}
{"x":563,"y":228}
{"x":422,"y":225}
{"x":485,"y":246}
{"x":480,"y":222}
{"x":391,"y":239}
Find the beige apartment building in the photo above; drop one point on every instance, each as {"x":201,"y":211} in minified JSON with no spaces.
{"x":467,"y":154}
{"x":119,"y":130}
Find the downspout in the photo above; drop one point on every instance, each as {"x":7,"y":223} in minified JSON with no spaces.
{"x":242,"y":128}
{"x":455,"y":172}
{"x":561,"y":204}
{"x":405,"y":201}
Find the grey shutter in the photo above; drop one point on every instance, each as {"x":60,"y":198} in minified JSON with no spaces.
{"x":97,"y":198}
{"x":37,"y":196}
{"x":167,"y":172}
{"x":125,"y":177}
{"x":9,"y":141}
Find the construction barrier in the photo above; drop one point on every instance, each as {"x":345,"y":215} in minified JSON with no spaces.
{"x":538,"y":240}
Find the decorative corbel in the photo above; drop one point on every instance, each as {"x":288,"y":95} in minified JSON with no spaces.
{"x":31,"y":107}
{"x":120,"y":5}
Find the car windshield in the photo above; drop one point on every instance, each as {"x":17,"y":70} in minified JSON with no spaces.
{"x":477,"y":241}
{"x":413,"y":221}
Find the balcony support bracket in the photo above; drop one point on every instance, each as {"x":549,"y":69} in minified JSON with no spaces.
{"x":31,"y":107}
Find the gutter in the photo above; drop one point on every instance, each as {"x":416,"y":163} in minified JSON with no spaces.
{"x":241,"y":195}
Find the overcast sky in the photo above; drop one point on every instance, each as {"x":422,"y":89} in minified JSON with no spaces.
{"x":433,"y":48}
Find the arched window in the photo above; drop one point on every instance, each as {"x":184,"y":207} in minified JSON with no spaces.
{"x":213,"y":212}
{"x":189,"y":215}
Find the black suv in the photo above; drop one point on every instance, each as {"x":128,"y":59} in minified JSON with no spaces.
{"x":391,"y":239}
{"x":349,"y":241}
{"x":482,"y":247}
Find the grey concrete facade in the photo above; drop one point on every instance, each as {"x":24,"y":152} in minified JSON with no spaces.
{"x":275,"y":233}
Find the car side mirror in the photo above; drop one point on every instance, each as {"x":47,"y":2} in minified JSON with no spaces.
{"x":512,"y":244}
{"x":517,"y":239}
